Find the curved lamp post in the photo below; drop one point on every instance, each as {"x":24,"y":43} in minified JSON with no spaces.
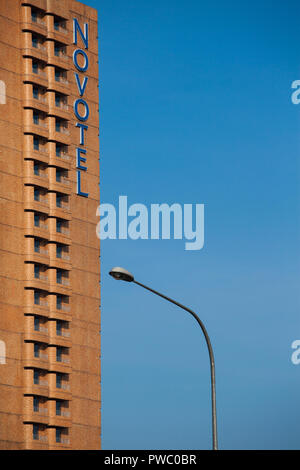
{"x":122,"y":274}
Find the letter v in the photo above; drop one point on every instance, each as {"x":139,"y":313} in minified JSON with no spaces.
{"x":81,"y":88}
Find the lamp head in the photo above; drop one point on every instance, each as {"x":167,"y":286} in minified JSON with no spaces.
{"x":121,"y":274}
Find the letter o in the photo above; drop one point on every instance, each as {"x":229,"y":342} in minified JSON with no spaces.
{"x":87,"y":111}
{"x":75,"y":60}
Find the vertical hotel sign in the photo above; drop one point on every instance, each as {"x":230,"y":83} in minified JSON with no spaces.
{"x":80,"y":107}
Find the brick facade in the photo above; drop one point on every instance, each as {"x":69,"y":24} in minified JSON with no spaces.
{"x":49,"y":251}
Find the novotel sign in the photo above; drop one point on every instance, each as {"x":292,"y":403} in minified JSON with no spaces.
{"x":81,"y":107}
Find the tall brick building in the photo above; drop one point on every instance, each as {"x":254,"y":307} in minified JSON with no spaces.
{"x":49,"y":251}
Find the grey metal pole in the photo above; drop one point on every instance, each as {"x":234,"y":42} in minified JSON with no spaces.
{"x":211,"y":358}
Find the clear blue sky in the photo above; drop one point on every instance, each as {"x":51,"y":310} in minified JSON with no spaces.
{"x":195,"y":107}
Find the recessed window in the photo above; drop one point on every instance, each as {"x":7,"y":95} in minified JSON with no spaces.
{"x":59,"y":352}
{"x":57,"y":75}
{"x":34,"y":16}
{"x":58,"y":150}
{"x":36,"y":324}
{"x":36,"y":404}
{"x":36,"y":298}
{"x":58,"y":435}
{"x":56,"y":50}
{"x":58,"y":407}
{"x":59,"y":174}
{"x":59,"y":250}
{"x":36,"y":193}
{"x":59,"y":326}
{"x":35,"y":92}
{"x":59,"y":302}
{"x":35,"y":41}
{"x":36,"y":350}
{"x":36,"y":117}
{"x":36,"y":220}
{"x":36,"y":143}
{"x":60,"y":100}
{"x":37,"y":15}
{"x":59,"y":199}
{"x":59,"y":378}
{"x":37,"y":245}
{"x":35,"y":431}
{"x":61,"y":226}
{"x":59,"y":24}
{"x":35,"y":66}
{"x":57,"y":125}
{"x":59,"y":276}
{"x":36,"y":377}
{"x":57,"y":100}
{"x":36,"y":271}
{"x":36,"y":169}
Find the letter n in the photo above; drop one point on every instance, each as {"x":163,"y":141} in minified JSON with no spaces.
{"x":84,"y":35}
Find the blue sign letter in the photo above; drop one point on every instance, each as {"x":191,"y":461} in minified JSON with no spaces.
{"x":87,"y":111}
{"x":84,"y":36}
{"x":86,"y":60}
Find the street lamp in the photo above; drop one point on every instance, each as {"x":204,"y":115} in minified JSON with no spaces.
{"x":122,"y":274}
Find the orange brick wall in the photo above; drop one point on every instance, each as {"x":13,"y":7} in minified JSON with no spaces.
{"x":29,"y":416}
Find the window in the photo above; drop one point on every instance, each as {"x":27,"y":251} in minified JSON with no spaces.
{"x":36,"y":193}
{"x":56,"y":50}
{"x":61,"y":149}
{"x":36,"y":350}
{"x":36,"y":271}
{"x":59,"y":352}
{"x":58,"y":407}
{"x":57,"y":125}
{"x":36,"y":220}
{"x":36,"y":118}
{"x":35,"y":92}
{"x":59,"y":276}
{"x":59,"y":325}
{"x":36,"y":377}
{"x":35,"y":431}
{"x":56,"y":24}
{"x":34,"y":16}
{"x":57,"y":75}
{"x":59,"y":23}
{"x":34,"y":41}
{"x":58,"y":225}
{"x":59,"y":380}
{"x":36,"y":143}
{"x":57,"y":100}
{"x":36,"y":324}
{"x":58,"y":302}
{"x":37,"y":245}
{"x":36,"y":298}
{"x":36,"y":404}
{"x":58,"y":435}
{"x":58,"y":175}
{"x":35,"y":67}
{"x":36,"y":169}
{"x":58,"y":150}
{"x":59,"y":199}
{"x":59,"y":250}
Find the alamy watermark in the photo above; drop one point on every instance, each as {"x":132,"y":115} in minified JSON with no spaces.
{"x":295,"y":358}
{"x":159,"y":221}
{"x":295,"y":98}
